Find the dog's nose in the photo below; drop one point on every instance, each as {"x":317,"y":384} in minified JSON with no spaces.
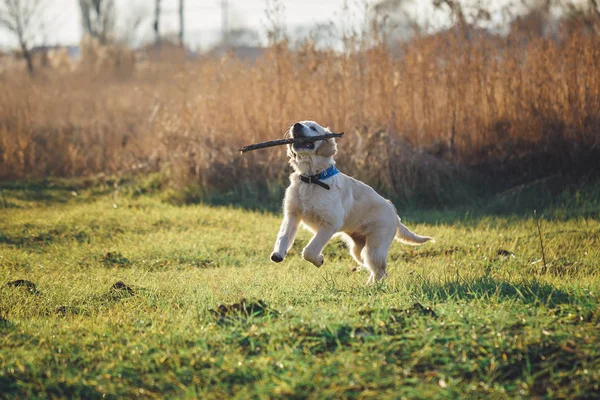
{"x":297,"y":126}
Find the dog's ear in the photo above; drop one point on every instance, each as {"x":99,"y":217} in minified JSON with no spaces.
{"x":290,"y":152}
{"x":328,"y":148}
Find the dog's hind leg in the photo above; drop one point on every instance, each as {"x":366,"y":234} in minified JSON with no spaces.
{"x":376,"y":263}
{"x":375,"y":256}
{"x":356,"y":244}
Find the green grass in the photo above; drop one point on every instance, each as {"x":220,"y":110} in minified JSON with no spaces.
{"x":502,"y":325}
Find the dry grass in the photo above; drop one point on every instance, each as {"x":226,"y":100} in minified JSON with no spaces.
{"x":514,"y":108}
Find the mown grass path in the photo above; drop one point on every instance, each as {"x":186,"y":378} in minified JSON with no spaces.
{"x":123,"y":297}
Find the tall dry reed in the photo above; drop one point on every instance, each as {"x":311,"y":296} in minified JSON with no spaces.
{"x":416,"y":115}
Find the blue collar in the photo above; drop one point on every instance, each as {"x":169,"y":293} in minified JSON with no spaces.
{"x":316,"y":179}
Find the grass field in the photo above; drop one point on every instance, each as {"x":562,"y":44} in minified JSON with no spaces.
{"x":125,"y":284}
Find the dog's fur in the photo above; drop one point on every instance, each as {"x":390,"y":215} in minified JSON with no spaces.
{"x":367,"y":222}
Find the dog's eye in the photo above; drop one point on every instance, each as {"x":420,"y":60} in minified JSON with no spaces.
{"x":312,"y":128}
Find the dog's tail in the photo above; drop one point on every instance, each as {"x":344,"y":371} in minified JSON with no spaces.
{"x":404,"y":235}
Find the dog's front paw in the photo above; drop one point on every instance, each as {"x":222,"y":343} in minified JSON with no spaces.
{"x":316,"y":260}
{"x":277,"y":257}
{"x":320,"y":260}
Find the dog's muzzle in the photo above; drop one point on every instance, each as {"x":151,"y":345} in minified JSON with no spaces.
{"x":305,"y":145}
{"x":298,"y":132}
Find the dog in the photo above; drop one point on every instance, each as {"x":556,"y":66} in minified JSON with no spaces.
{"x":330,"y":203}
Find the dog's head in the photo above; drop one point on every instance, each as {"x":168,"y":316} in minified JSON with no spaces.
{"x":317,"y":152}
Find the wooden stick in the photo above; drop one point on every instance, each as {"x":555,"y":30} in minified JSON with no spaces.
{"x":281,"y":142}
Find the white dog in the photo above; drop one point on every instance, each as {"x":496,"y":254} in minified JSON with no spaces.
{"x":328,"y":202}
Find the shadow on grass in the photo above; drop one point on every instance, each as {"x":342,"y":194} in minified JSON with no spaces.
{"x":5,"y":325}
{"x":51,"y":191}
{"x":13,"y":388}
{"x":37,"y":238}
{"x":556,"y":197}
{"x":531,"y":291}
{"x":256,"y":197}
{"x":47,"y":191}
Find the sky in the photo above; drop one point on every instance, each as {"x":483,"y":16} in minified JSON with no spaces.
{"x":202,"y":17}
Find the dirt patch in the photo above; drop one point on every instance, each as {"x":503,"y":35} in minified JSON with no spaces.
{"x":417,"y":309}
{"x":242,"y":310}
{"x":28,"y":285}
{"x":115,"y":259}
{"x":67,"y":310}
{"x":414,"y":254}
{"x":504,"y":253}
{"x":121,"y":289}
{"x":118,"y":291}
{"x":397,"y":314}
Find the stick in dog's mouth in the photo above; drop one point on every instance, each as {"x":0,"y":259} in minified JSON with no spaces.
{"x":281,"y":142}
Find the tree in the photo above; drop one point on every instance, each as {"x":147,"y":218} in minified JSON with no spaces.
{"x":132,"y":24}
{"x":456,"y":9}
{"x":181,"y":21}
{"x":395,"y":16}
{"x":98,"y":18}
{"x":156,"y":25}
{"x":25,"y":19}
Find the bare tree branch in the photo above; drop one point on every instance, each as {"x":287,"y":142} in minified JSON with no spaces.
{"x":8,"y":24}
{"x":98,"y":18}
{"x":594,"y":6}
{"x":25,"y":19}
